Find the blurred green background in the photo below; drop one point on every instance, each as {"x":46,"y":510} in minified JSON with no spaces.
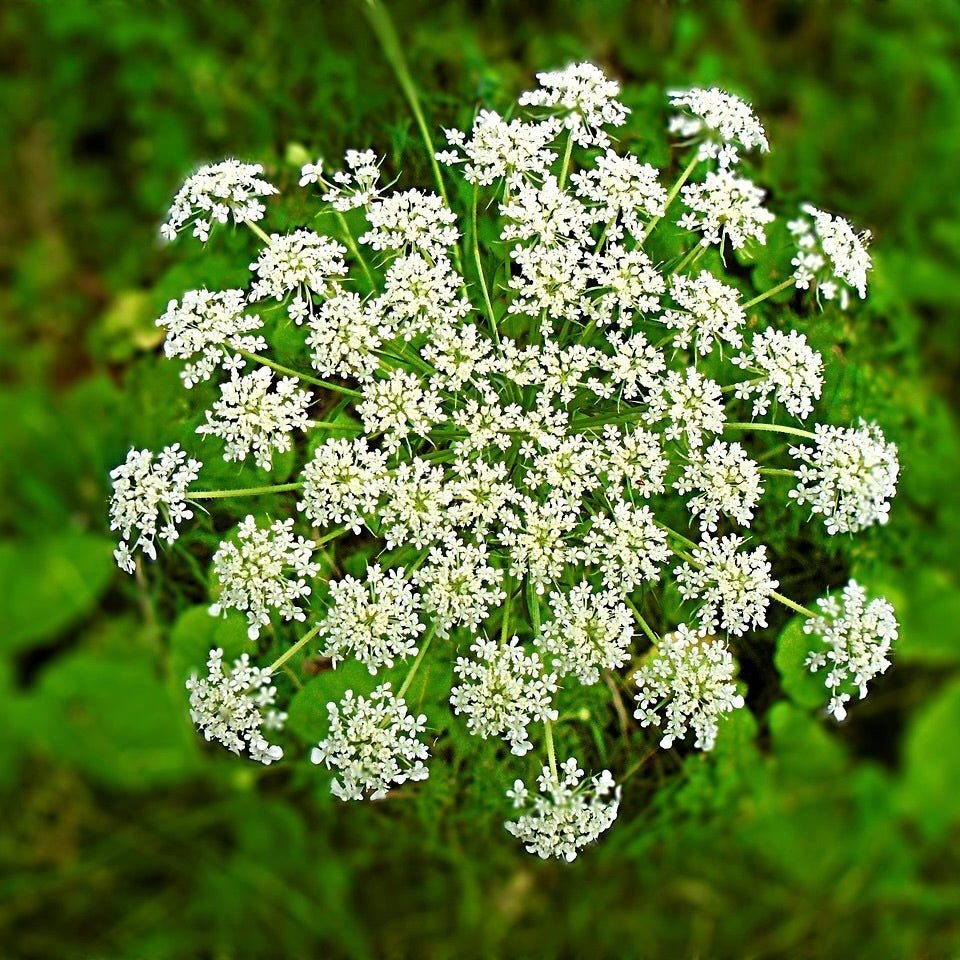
{"x":121,"y":836}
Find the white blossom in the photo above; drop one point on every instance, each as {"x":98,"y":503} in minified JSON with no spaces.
{"x":725,"y":481}
{"x":250,"y":417}
{"x":690,"y":403}
{"x":150,"y":489}
{"x":687,"y":685}
{"x":411,"y":220}
{"x":264,"y":570}
{"x":345,"y":335}
{"x":302,"y":262}
{"x":854,"y":643}
{"x":719,"y":121}
{"x":421,"y":297}
{"x":734,"y":587}
{"x":709,"y":311}
{"x":502,"y":690}
{"x":355,"y":187}
{"x":545,"y":212}
{"x":791,"y":372}
{"x":373,"y":745}
{"x":725,"y":207}
{"x":627,"y":546}
{"x":236,"y":707}
{"x":629,"y":281}
{"x":567,"y":813}
{"x":399,"y":406}
{"x":848,"y":476}
{"x":634,"y":457}
{"x":622,"y":187}
{"x":538,"y":535}
{"x":413,"y":509}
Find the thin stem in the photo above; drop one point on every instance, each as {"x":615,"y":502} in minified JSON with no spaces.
{"x":772,"y":292}
{"x":692,"y":255}
{"x":354,"y":249}
{"x":772,"y":428}
{"x":551,"y":752}
{"x":332,"y":535}
{"x":242,"y":491}
{"x":533,"y":607}
{"x":416,"y":664}
{"x":505,"y":624}
{"x":567,"y":154}
{"x":672,"y":195}
{"x":260,"y":233}
{"x":777,"y":472}
{"x":651,"y":636}
{"x":476,"y":256}
{"x":292,"y":651}
{"x":290,"y":372}
{"x":787,"y":602}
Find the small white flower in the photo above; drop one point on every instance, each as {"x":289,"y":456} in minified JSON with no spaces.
{"x":373,"y":745}
{"x":502,"y":690}
{"x":627,"y":546}
{"x":790,"y":371}
{"x":236,"y":707}
{"x":302,"y":262}
{"x":421,"y":297}
{"x":355,"y":187}
{"x":311,"y":173}
{"x":149,"y":489}
{"x":720,"y":121}
{"x":214,"y":194}
{"x":855,"y":639}
{"x":411,"y":221}
{"x":265,"y":570}
{"x":546,"y":213}
{"x":345,"y":335}
{"x":687,"y":685}
{"x":734,"y":587}
{"x":848,"y":477}
{"x":398,"y":407}
{"x":690,"y":403}
{"x":708,"y":311}
{"x":414,"y":505}
{"x":205,"y":327}
{"x":726,"y":481}
{"x":629,"y":283}
{"x":635,"y":458}
{"x":567,"y":814}
{"x":725,"y":207}
{"x":538,"y":535}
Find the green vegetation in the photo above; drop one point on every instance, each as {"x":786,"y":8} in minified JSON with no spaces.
{"x":124,"y":837}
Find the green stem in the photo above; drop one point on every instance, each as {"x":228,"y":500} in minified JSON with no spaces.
{"x":289,"y":372}
{"x":416,"y":664}
{"x":551,"y":752}
{"x":567,"y":154}
{"x":776,"y":472}
{"x":796,"y":607}
{"x":260,"y":233}
{"x":533,"y":607}
{"x":476,"y":256}
{"x":692,"y":255}
{"x":292,"y":651}
{"x":505,"y":623}
{"x":772,"y":428}
{"x":242,"y":491}
{"x":354,"y":249}
{"x":651,"y":636}
{"x":332,"y":535}
{"x":672,"y":195}
{"x":772,"y":292}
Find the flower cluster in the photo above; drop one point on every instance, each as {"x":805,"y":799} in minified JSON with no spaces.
{"x":512,"y":427}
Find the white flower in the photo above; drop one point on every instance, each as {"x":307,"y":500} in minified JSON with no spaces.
{"x":566,"y":467}
{"x":421,"y":297}
{"x":848,"y":477}
{"x":735,"y":587}
{"x":725,"y":207}
{"x":412,"y":220}
{"x":345,"y":335}
{"x":635,"y":458}
{"x":374,"y":620}
{"x":586,"y":97}
{"x":720,"y":121}
{"x":627,"y":546}
{"x":265,"y":570}
{"x":546,"y":213}
{"x":479,"y":495}
{"x":301,"y":262}
{"x":635,"y":365}
{"x":687,"y":685}
{"x":621,"y":186}
{"x":550,"y":278}
{"x":726,"y":481}
{"x":207,"y":326}
{"x":147,"y":489}
{"x":357,"y":185}
{"x":249,"y":417}
{"x":459,"y":355}
{"x":502,"y":691}
{"x":399,"y":406}
{"x":589,"y":632}
{"x":459,"y":585}
{"x":830,"y":255}
{"x":791,"y":371}
{"x":235,"y":707}
{"x":343,"y":483}
{"x":629,"y":281}
{"x":498,"y":148}
{"x":709,"y":311}
{"x":690,"y":403}
{"x":567,"y":814}
{"x":372,"y":744}
{"x":537,"y":534}
{"x":214,"y":194}
{"x":311,"y":173}
{"x":414,"y":505}
{"x":855,"y":640}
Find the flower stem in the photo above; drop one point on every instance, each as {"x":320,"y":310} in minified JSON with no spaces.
{"x":290,"y":372}
{"x":354,"y":249}
{"x":772,"y":292}
{"x":476,"y":256}
{"x":672,"y":195}
{"x":291,"y":651}
{"x":259,"y":232}
{"x":567,"y":154}
{"x":551,"y":752}
{"x":416,"y":663}
{"x":651,"y":636}
{"x":777,"y":472}
{"x":242,"y":491}
{"x":772,"y":428}
{"x":692,"y":255}
{"x":787,"y":602}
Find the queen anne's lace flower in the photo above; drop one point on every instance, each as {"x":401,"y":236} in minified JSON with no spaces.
{"x":236,"y":707}
{"x":414,"y":505}
{"x":302,"y":263}
{"x":725,"y":481}
{"x":345,"y":335}
{"x":690,"y":403}
{"x":537,"y":535}
{"x":205,"y":327}
{"x":249,"y":417}
{"x":214,"y":194}
{"x":502,"y":690}
{"x":848,"y":477}
{"x":636,"y":458}
{"x":726,"y":208}
{"x":399,"y":406}
{"x":373,"y":745}
{"x":854,"y":643}
{"x":343,"y":483}
{"x":149,"y":489}
{"x":831,"y":257}
{"x":734,"y":587}
{"x":589,"y":632}
{"x":420,"y":296}
{"x":587,"y":99}
{"x":687,"y":685}
{"x":412,"y":220}
{"x":265,"y":570}
{"x":708,"y":311}
{"x":791,"y":371}
{"x":627,"y":546}
{"x":351,"y":188}
{"x":567,"y":814}
{"x":630,"y":281}
{"x":545,"y":212}
{"x":720,"y":121}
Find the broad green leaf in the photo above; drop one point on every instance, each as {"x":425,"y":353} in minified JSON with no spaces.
{"x":802,"y":686}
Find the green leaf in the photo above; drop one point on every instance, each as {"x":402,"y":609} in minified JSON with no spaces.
{"x":793,"y":645}
{"x":196,"y":633}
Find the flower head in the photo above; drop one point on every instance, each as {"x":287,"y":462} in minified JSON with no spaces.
{"x":724,"y":481}
{"x":720,"y":122}
{"x":726,"y":208}
{"x":790,"y":370}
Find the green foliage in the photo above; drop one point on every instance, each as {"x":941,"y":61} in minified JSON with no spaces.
{"x":124,"y":837}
